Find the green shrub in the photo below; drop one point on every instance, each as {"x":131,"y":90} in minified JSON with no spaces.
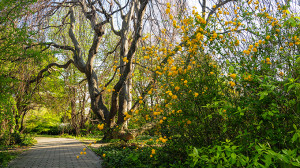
{"x":229,"y":155}
{"x":117,"y":156}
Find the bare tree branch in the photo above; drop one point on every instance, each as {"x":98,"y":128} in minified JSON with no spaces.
{"x":41,"y":73}
{"x":218,"y":6}
{"x":78,"y":61}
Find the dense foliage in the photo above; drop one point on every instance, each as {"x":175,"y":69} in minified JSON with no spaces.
{"x":227,"y":100}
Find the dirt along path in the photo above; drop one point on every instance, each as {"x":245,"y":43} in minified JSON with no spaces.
{"x":56,"y":153}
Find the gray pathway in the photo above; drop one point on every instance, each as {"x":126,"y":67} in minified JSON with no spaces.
{"x":56,"y":153}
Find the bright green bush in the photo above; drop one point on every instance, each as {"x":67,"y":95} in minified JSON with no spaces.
{"x":117,"y":156}
{"x":229,"y":155}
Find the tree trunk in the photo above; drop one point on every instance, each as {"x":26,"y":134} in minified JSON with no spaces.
{"x":123,"y":95}
{"x":73,"y":112}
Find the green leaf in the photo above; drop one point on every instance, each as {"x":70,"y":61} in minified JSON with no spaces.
{"x":290,"y":87}
{"x":227,"y":62}
{"x":243,"y":162}
{"x":195,"y":152}
{"x":231,"y":69}
{"x":268,"y":160}
{"x":295,"y":137}
{"x":296,"y":164}
{"x":233,"y":155}
{"x":294,"y":125}
{"x":262,"y":94}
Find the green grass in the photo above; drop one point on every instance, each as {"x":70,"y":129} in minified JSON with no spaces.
{"x":6,"y":157}
{"x":10,"y":152}
{"x":90,"y":137}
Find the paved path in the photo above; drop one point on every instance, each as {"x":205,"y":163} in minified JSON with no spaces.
{"x":56,"y":153}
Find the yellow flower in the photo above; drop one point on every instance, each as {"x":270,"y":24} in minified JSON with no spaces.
{"x":232,"y":84}
{"x":189,"y":122}
{"x":151,"y":156}
{"x":174,"y":97}
{"x":77,"y":156}
{"x":268,"y":37}
{"x":163,"y":140}
{"x":84,"y":149}
{"x":84,"y":153}
{"x":196,"y":94}
{"x":211,"y":73}
{"x":268,"y":59}
{"x":168,"y":5}
{"x":167,"y":10}
{"x":281,"y":73}
{"x":237,"y":42}
{"x":153,"y":151}
{"x":215,"y":35}
{"x":81,"y":153}
{"x":104,"y":155}
{"x":185,"y":82}
{"x":100,"y":127}
{"x":233,"y":76}
{"x":161,"y":121}
{"x":177,"y":88}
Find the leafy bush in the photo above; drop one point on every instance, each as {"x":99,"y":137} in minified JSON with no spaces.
{"x":17,"y":139}
{"x":229,"y":155}
{"x":117,"y":156}
{"x":217,"y":87}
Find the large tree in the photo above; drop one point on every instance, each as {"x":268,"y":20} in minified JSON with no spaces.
{"x":100,"y":15}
